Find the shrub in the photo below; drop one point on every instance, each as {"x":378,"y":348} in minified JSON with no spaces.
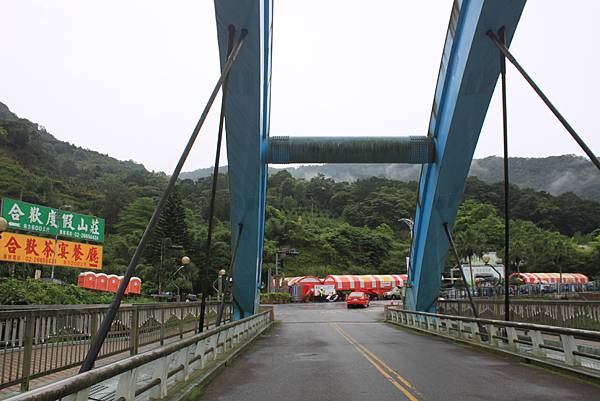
{"x":279,"y":297}
{"x":35,"y":292}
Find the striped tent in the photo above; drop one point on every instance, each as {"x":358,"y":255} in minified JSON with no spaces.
{"x":366,"y":282}
{"x":551,"y":278}
{"x":302,"y":280}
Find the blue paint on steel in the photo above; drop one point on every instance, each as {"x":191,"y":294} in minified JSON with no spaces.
{"x":468,"y":73}
{"x":334,"y":149}
{"x":247,"y":125}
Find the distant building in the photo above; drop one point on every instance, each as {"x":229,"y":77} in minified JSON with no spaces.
{"x":487,"y":268}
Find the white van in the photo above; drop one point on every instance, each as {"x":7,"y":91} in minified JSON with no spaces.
{"x":394,"y":293}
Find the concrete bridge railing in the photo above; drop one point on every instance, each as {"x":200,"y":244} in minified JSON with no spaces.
{"x":159,"y":373}
{"x":571,"y":349}
{"x":573,"y":314}
{"x":39,"y":340}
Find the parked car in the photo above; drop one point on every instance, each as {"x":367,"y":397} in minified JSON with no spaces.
{"x":357,"y":298}
{"x":394,"y":293}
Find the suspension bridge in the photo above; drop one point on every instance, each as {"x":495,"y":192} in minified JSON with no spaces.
{"x":322,"y":351}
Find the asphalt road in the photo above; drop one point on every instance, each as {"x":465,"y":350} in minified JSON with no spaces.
{"x":322,"y":352}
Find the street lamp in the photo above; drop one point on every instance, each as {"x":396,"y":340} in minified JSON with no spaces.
{"x":222,"y":273}
{"x":184,"y":262}
{"x":411,"y":226}
{"x":486,"y":262}
{"x":162,"y":255}
{"x":283,"y":252}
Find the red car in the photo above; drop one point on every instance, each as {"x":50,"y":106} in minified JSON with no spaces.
{"x":357,"y":298}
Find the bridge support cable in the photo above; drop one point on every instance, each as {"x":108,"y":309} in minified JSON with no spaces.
{"x":211,"y":209}
{"x":507,"y":54}
{"x":230,"y":280}
{"x":96,"y":345}
{"x":502,"y":38}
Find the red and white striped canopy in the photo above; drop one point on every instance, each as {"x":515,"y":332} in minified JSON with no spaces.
{"x":369,"y":281}
{"x":551,"y":278}
{"x":303,"y":280}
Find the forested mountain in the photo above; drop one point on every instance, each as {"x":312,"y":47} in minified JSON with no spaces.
{"x":337,"y":227}
{"x":555,"y":175}
{"x":37,"y":167}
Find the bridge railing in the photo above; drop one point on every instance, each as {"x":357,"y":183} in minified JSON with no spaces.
{"x":574,"y":314}
{"x":152,"y":374}
{"x":38,"y":342}
{"x":572,"y":349}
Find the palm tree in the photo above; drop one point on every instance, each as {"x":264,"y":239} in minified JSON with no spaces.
{"x":470,"y":242}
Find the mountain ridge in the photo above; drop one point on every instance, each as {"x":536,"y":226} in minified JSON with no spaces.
{"x":553,"y":174}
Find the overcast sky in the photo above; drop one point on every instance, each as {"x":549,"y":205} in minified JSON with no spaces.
{"x":130,"y":78}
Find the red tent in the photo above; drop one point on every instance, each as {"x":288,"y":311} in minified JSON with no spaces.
{"x":306,"y":283}
{"x":366,"y":282}
{"x":551,"y":278}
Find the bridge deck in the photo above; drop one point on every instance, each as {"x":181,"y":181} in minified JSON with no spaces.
{"x":325,"y":352}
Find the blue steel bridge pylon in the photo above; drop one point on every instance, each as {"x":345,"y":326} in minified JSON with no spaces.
{"x":468,"y":73}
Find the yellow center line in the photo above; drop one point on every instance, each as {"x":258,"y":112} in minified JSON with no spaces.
{"x":375,"y":364}
{"x":392,"y":371}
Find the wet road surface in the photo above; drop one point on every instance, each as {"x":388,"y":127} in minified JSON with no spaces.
{"x":322,"y":352}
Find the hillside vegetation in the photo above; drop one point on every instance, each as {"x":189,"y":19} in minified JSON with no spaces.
{"x":337,"y":227}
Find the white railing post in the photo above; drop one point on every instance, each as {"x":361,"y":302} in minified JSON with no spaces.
{"x":182,"y":360}
{"x":461,"y":328}
{"x":492,"y":335}
{"x":569,"y":345}
{"x":537,"y":339}
{"x":511,"y":334}
{"x":475,"y":334}
{"x":126,"y":385}
{"x":229,"y":338}
{"x":160,"y":371}
{"x":214,"y":345}
{"x":201,"y":350}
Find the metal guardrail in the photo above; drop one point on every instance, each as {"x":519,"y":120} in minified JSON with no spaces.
{"x":572,"y":349}
{"x":583,"y":315}
{"x":152,"y":374}
{"x":34,"y":343}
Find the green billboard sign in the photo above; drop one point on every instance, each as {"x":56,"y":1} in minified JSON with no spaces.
{"x":46,"y":220}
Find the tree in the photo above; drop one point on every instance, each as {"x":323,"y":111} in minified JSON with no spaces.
{"x":135,"y":216}
{"x":170,"y":233}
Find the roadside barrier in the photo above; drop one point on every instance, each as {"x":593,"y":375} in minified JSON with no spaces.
{"x":39,"y":340}
{"x":159,"y":372}
{"x":564,"y":313}
{"x":570,"y":349}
